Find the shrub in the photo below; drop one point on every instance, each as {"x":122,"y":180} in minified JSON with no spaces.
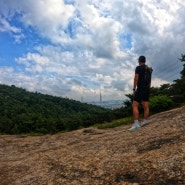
{"x":160,"y":103}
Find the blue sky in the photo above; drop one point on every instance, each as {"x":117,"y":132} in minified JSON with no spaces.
{"x":76,"y":49}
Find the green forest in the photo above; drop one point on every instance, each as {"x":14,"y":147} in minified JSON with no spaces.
{"x":32,"y":112}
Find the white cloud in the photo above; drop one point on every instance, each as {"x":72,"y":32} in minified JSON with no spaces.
{"x":94,"y":45}
{"x":6,"y":27}
{"x":48,"y":17}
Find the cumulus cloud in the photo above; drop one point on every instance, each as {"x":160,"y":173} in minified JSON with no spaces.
{"x":93,"y":46}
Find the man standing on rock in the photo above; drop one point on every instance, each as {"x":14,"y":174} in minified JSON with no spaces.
{"x":141,"y":90}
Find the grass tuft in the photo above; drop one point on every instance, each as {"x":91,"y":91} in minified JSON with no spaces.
{"x":115,"y":123}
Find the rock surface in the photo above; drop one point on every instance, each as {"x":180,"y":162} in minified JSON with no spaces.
{"x":153,"y":155}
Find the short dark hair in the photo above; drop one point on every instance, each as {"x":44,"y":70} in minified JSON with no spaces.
{"x":142,"y":59}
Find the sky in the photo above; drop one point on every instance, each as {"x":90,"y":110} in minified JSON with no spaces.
{"x":77,"y":49}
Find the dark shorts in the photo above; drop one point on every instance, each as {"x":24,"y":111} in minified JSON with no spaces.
{"x":142,"y":95}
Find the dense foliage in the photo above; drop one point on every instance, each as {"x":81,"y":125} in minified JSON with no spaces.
{"x":24,"y":112}
{"x":160,"y":103}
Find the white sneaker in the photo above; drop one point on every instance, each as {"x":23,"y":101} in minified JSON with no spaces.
{"x":134,"y":128}
{"x":143,"y":124}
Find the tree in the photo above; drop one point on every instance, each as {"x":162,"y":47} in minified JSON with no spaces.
{"x":160,"y":103}
{"x":178,"y":87}
{"x":182,"y":59}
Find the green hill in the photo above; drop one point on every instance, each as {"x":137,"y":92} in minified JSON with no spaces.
{"x":24,"y":112}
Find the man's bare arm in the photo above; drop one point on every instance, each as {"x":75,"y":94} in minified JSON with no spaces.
{"x":136,"y":78}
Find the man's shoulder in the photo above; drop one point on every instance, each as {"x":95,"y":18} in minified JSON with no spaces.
{"x":140,"y":68}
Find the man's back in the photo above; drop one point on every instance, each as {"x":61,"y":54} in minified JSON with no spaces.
{"x":141,"y":71}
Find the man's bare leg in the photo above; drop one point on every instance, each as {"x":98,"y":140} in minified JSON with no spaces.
{"x":146,"y":111}
{"x":135,"y":110}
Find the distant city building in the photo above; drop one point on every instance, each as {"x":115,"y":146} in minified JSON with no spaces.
{"x":82,"y":99}
{"x":100,"y":98}
{"x":111,"y":104}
